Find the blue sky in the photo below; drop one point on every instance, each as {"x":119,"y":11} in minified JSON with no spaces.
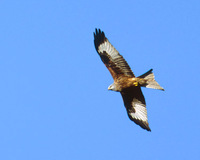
{"x":53,"y":86}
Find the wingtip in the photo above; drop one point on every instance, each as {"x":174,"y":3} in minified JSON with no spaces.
{"x":99,"y":37}
{"x":99,"y":31}
{"x":142,"y":124}
{"x":148,"y":129}
{"x":96,"y":30}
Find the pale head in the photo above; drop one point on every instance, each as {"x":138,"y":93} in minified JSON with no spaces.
{"x":112,"y":87}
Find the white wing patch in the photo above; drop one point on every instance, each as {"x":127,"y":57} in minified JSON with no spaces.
{"x":140,"y":112}
{"x":108,"y":48}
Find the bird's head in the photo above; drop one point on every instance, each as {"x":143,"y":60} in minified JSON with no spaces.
{"x":112,"y":87}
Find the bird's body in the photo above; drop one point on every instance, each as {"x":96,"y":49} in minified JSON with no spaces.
{"x":125,"y":81}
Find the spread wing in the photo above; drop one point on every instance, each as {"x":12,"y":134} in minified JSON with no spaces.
{"x":115,"y":63}
{"x":136,"y":107}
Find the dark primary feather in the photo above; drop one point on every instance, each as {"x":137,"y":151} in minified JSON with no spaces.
{"x":99,"y":38}
{"x":135,"y":103}
{"x":115,"y":63}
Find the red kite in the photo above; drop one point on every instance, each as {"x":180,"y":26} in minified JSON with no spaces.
{"x":125,"y":81}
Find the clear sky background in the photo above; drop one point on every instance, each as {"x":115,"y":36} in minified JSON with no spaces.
{"x":54,"y":102}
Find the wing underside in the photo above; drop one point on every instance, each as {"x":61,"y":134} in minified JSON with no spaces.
{"x":136,"y":107}
{"x":115,"y":63}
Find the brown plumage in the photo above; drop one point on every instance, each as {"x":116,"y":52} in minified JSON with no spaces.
{"x":125,"y":81}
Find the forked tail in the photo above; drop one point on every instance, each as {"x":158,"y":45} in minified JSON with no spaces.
{"x":151,"y":82}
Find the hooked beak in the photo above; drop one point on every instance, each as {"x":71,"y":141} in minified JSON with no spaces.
{"x":109,"y":88}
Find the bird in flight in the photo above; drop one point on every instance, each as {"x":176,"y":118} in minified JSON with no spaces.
{"x":125,"y":81}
